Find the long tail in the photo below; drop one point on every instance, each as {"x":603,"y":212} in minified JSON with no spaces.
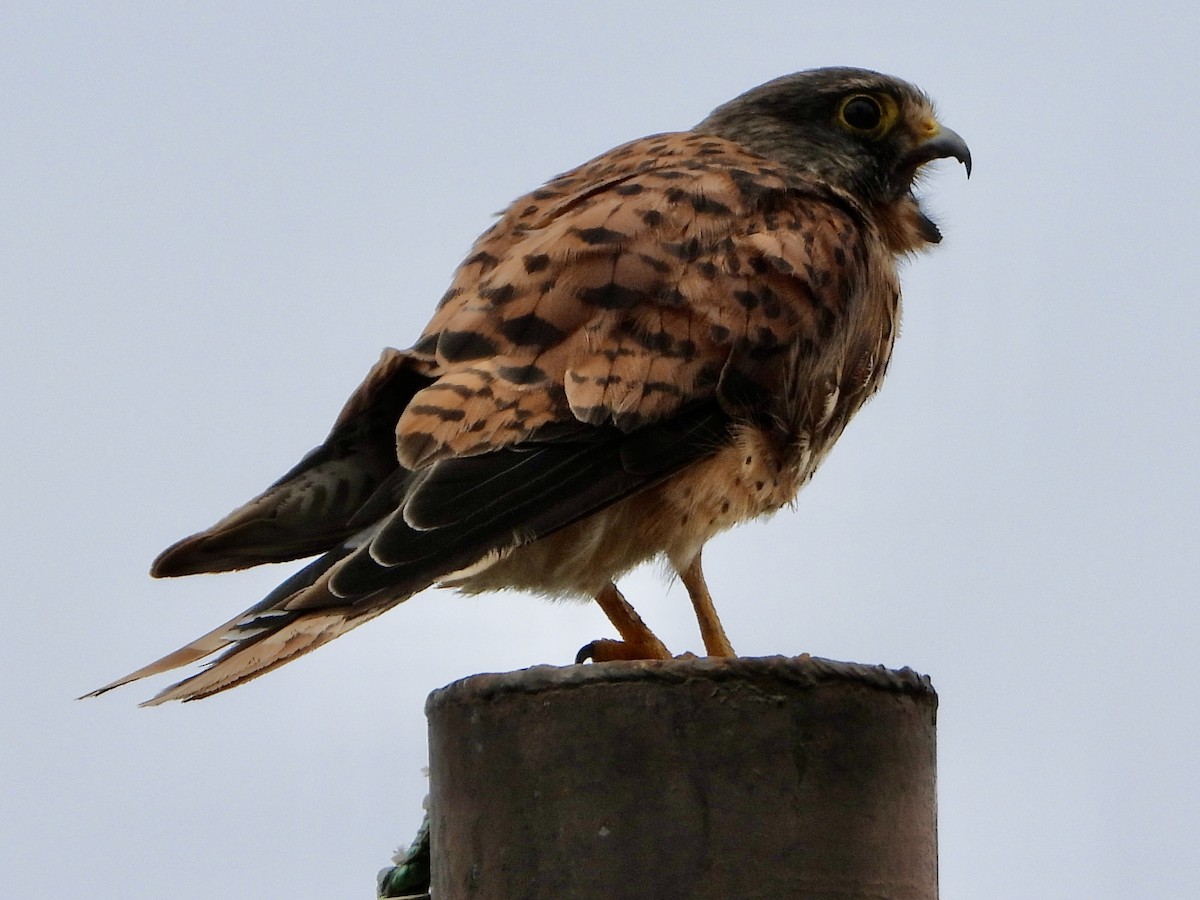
{"x":258,"y":640}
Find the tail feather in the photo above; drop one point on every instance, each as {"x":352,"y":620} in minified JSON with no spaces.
{"x":242,"y":663}
{"x":218,"y":639}
{"x":267,"y":617}
{"x":441,"y":525}
{"x":196,"y":650}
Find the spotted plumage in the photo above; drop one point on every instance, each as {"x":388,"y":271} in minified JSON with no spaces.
{"x":645,"y":351}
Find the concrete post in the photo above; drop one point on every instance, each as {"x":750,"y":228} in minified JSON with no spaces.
{"x":705,"y":778}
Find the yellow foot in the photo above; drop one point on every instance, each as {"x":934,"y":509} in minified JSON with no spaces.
{"x":605,"y":650}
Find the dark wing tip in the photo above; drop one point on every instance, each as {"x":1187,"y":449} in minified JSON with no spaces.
{"x":246,"y":544}
{"x":176,"y":560}
{"x":197,"y":555}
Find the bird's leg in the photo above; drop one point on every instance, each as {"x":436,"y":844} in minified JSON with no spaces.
{"x":715,"y":641}
{"x":637,"y":640}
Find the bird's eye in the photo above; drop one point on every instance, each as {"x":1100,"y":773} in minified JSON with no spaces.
{"x":862,"y":113}
{"x":867,"y":114}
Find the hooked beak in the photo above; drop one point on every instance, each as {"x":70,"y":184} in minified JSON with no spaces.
{"x":946,"y":144}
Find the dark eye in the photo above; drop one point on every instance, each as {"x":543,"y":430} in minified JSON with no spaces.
{"x":862,"y":113}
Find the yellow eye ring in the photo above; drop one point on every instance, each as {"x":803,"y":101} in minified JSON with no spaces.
{"x":868,"y":115}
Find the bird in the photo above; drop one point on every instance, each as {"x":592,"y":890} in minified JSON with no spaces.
{"x":645,"y":351}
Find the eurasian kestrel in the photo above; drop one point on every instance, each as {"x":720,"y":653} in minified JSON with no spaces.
{"x":646,"y":351}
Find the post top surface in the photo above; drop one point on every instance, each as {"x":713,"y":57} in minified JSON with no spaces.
{"x":803,"y":671}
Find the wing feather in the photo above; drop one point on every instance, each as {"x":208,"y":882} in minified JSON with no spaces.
{"x":314,"y":505}
{"x":619,"y":293}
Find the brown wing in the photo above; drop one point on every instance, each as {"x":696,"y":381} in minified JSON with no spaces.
{"x":619,"y":292}
{"x":603,"y":334}
{"x":317,"y":503}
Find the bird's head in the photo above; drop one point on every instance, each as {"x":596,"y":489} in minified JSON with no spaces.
{"x":862,"y":132}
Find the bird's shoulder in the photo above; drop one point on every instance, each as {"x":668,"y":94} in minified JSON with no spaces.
{"x":616,"y":293}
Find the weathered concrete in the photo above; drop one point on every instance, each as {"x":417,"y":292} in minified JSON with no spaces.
{"x":705,"y":778}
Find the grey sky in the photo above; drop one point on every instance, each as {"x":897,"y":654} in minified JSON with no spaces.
{"x":216,"y":215}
